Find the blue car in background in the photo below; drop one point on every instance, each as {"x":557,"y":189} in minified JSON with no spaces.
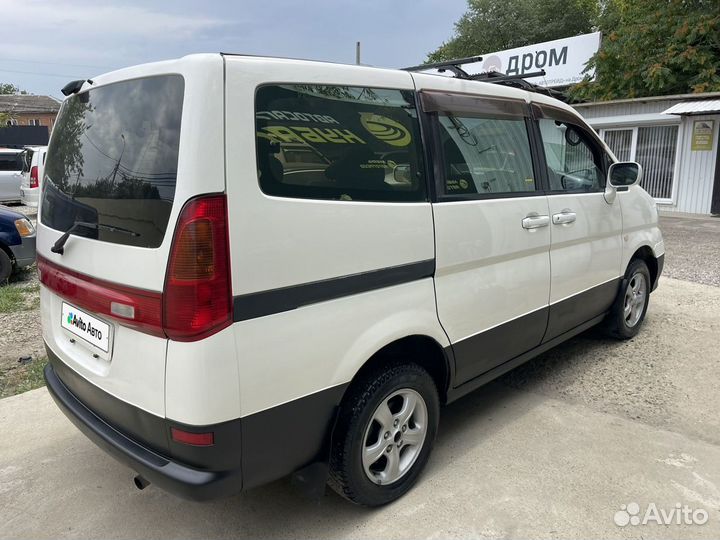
{"x":17,"y":242}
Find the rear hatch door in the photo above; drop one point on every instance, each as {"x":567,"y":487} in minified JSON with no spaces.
{"x":119,"y":167}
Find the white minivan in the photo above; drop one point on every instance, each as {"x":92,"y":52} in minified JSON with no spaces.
{"x":255,"y":266}
{"x":33,"y":167}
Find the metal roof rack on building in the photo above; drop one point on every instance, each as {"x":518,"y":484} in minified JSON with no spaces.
{"x":495,"y":77}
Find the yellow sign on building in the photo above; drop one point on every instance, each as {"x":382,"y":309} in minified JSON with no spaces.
{"x":702,"y":135}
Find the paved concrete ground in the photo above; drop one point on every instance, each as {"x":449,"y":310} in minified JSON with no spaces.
{"x":551,"y":450}
{"x":693,"y":244}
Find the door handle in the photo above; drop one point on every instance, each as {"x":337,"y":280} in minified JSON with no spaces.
{"x":533,"y":221}
{"x":564,"y":217}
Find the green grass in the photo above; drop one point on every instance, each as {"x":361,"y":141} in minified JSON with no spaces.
{"x":14,"y":298}
{"x":11,"y":299}
{"x":22,"y":377}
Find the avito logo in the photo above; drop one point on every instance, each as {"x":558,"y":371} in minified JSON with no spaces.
{"x":87,"y":327}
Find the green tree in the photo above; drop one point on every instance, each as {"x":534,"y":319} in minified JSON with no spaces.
{"x":490,"y":26}
{"x":8,"y":88}
{"x":655,"y":47}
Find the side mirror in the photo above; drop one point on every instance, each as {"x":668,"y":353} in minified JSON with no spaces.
{"x":624,"y":174}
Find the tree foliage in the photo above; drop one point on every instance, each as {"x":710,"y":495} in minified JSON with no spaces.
{"x":490,"y":26}
{"x":655,"y":47}
{"x":8,"y":88}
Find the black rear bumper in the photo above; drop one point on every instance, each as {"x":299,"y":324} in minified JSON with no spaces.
{"x":172,"y":476}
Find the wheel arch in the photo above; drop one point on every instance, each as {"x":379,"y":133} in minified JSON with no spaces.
{"x":426,"y":351}
{"x":420,"y":349}
{"x":7,"y":251}
{"x":646,"y":254}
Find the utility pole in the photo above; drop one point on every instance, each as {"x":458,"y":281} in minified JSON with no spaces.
{"x":357,"y":53}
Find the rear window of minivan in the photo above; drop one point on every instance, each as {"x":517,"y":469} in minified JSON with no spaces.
{"x":338,"y":143}
{"x":27,"y":156}
{"x":112,"y":161}
{"x":10,"y":161}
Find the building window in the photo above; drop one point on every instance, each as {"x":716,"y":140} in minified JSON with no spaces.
{"x":654,"y":147}
{"x":12,"y":122}
{"x":34,"y":122}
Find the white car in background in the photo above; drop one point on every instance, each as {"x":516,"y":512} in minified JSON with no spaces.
{"x":10,"y":174}
{"x":32,"y":173}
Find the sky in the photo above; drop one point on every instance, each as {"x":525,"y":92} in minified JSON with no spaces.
{"x":47,"y":43}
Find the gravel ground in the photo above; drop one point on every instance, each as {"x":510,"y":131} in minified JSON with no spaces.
{"x":692,"y":245}
{"x":23,"y":337}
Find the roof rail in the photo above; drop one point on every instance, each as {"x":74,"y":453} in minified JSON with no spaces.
{"x":495,"y":77}
{"x":518,"y":81}
{"x":449,"y":65}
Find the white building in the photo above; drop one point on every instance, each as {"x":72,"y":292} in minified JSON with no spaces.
{"x":674,"y":138}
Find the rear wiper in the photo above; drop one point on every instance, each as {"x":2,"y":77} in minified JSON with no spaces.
{"x":59,"y":248}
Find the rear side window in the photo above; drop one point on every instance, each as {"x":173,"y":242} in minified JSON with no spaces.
{"x":27,"y":157}
{"x":10,"y":162}
{"x":485,"y":155}
{"x":339,"y":143}
{"x":113,"y":159}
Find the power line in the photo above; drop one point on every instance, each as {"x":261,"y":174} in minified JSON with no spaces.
{"x":64,"y":76}
{"x":52,"y":63}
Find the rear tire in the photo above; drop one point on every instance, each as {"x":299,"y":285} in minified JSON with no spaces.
{"x":385,"y":432}
{"x":628,"y":312}
{"x":6,"y":266}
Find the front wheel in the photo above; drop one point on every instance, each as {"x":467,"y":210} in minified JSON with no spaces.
{"x":385,"y":432}
{"x":628,"y":311}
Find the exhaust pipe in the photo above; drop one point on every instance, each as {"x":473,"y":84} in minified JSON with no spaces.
{"x":140,"y":482}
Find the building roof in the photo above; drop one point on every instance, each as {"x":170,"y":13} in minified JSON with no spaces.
{"x":707,"y":106}
{"x":685,"y":97}
{"x":22,"y":103}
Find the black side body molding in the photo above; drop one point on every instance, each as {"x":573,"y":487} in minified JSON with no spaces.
{"x":477,"y":382}
{"x":260,"y":304}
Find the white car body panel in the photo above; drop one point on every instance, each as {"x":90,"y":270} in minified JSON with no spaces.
{"x":640,"y":224}
{"x":484,"y":252}
{"x":10,"y":181}
{"x":306,"y":240}
{"x":30,"y":196}
{"x":586,"y":252}
{"x":291,"y":354}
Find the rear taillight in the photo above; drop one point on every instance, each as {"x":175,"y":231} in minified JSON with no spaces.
{"x":132,"y":307}
{"x":34,"y":182}
{"x":197,"y":298}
